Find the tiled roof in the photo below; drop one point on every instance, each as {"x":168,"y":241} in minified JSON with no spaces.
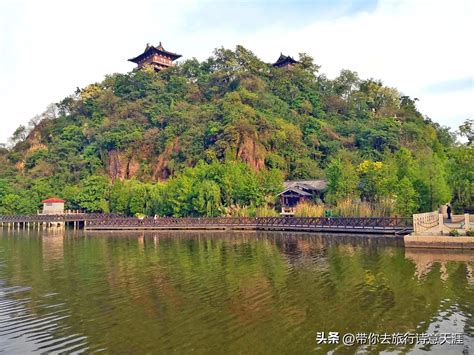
{"x":158,"y":49}
{"x":318,"y":185}
{"x":53,"y":200}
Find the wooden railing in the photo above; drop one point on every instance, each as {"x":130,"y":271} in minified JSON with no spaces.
{"x":111,"y":221}
{"x":258,"y":223}
{"x":73,"y":217}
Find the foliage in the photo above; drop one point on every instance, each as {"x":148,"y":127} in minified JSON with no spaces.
{"x":342,"y":180}
{"x":466,"y":130}
{"x":93,"y":194}
{"x":309,"y":210}
{"x":454,"y":233}
{"x":251,"y":211}
{"x":461,"y":177}
{"x":406,"y":198}
{"x":348,"y":207}
{"x":204,"y":137}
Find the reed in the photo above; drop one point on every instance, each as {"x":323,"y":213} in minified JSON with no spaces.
{"x":351,"y":208}
{"x":251,"y":211}
{"x":307,"y":209}
{"x":266,"y":211}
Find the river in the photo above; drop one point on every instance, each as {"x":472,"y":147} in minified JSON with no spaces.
{"x":230,"y":292}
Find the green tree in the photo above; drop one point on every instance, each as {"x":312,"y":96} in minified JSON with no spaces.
{"x":461,"y":177}
{"x":208,"y":199}
{"x":120,"y":197}
{"x":243,"y":117}
{"x":431,"y":184}
{"x":406,"y":198}
{"x":93,"y":195}
{"x":342,"y":180}
{"x":467,"y":130}
{"x":17,"y":204}
{"x":5,"y":188}
{"x":138,"y":198}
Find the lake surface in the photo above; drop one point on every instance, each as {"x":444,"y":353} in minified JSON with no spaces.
{"x":226,"y":292}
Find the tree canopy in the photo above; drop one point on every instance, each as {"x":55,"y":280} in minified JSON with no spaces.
{"x":201,"y":137}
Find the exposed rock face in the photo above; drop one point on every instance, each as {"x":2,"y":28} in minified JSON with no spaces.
{"x":162,"y":170}
{"x":252,"y":153}
{"x":133,"y":167}
{"x":35,"y":143}
{"x":123,"y":165}
{"x":120,"y":166}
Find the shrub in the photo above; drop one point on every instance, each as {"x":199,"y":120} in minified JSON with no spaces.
{"x":454,"y":233}
{"x":470,"y":233}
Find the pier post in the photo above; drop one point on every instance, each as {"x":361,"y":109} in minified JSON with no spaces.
{"x":466,"y":222}
{"x":440,"y":223}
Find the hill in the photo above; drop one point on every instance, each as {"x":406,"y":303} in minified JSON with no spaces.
{"x":208,"y":138}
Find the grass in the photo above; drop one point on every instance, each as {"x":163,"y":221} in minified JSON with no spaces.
{"x":307,"y":209}
{"x":251,"y":211}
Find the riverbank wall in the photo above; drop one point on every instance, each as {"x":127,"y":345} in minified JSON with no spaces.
{"x":438,"y":242}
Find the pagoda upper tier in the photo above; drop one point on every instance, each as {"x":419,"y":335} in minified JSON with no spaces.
{"x":284,"y":61}
{"x":156,"y":56}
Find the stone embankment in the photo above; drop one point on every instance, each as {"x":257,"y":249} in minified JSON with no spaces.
{"x":432,"y":230}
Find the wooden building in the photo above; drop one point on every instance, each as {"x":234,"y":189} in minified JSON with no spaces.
{"x":285,"y":61}
{"x":53,"y":206}
{"x":300,"y":191}
{"x":157,"y":57}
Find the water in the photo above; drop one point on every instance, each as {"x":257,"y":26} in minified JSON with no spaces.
{"x":225,"y":292}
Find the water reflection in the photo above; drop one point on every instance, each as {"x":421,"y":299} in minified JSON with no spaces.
{"x":52,"y":245}
{"x":426,"y":259}
{"x":224,"y":292}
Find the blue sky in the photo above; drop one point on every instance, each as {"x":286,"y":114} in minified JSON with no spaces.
{"x":423,"y":48}
{"x":247,"y":16}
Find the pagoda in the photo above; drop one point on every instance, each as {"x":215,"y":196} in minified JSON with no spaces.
{"x":157,"y":57}
{"x":284,"y":61}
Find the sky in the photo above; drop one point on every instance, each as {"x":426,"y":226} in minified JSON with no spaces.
{"x":423,"y":48}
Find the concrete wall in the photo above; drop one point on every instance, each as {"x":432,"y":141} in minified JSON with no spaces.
{"x":53,"y":208}
{"x":439,"y":242}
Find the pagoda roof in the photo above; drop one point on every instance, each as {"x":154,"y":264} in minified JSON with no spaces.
{"x":150,"y":50}
{"x":284,"y":60}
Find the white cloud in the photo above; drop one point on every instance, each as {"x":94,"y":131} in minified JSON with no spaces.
{"x":54,"y":46}
{"x":408,"y":44}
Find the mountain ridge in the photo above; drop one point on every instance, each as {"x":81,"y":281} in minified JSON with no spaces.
{"x":150,"y":127}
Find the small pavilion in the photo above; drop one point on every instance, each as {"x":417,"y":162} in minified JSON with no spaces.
{"x":53,"y":206}
{"x":285,"y":61}
{"x":156,"y":56}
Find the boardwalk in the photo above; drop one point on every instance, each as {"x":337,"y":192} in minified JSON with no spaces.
{"x":310,"y":224}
